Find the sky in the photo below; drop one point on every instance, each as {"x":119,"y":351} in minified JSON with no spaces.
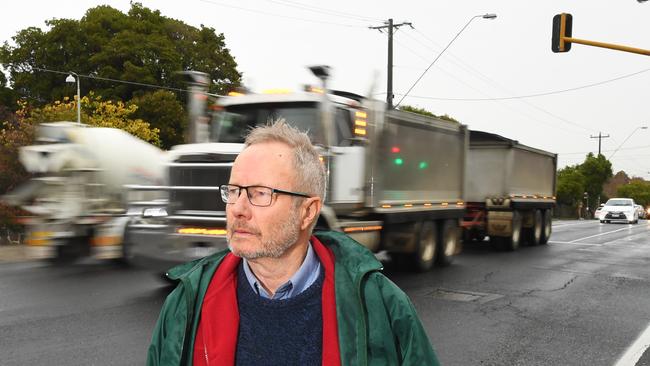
{"x":487,"y":78}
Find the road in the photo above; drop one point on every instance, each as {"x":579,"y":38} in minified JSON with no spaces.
{"x":583,"y":299}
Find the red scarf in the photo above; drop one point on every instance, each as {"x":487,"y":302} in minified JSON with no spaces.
{"x":216,"y":336}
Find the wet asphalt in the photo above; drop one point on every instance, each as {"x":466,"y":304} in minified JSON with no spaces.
{"x":582,"y":299}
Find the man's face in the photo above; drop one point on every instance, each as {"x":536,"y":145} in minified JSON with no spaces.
{"x":258,"y":232}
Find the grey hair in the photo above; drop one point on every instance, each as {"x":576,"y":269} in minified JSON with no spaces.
{"x":310,"y":173}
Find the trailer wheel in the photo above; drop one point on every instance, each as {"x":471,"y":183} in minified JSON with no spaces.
{"x":534,"y":234}
{"x":547,"y":229}
{"x":512,"y":242}
{"x":426,"y":246}
{"x":447,"y":243}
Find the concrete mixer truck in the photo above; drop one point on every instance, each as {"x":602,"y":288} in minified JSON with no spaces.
{"x":76,"y":197}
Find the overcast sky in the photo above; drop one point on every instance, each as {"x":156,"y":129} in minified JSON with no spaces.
{"x":273,"y":40}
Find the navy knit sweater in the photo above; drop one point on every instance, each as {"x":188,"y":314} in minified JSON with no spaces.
{"x":279,"y":332}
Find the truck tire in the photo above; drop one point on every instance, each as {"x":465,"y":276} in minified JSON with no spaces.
{"x":511,"y":242}
{"x":426,"y":246}
{"x":547,"y":229}
{"x":127,"y":253}
{"x":533,"y":235}
{"x":447,"y":243}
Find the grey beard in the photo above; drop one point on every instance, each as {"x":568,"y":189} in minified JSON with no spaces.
{"x":283,"y":237}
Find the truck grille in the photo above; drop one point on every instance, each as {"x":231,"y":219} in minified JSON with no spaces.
{"x":191,"y":174}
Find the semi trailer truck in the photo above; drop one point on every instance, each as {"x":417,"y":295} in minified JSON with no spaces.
{"x":394,"y":178}
{"x":510,"y":192}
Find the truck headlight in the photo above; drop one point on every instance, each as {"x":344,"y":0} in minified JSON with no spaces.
{"x":154,"y":212}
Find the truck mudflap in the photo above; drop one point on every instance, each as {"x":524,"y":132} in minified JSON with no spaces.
{"x":499,"y":223}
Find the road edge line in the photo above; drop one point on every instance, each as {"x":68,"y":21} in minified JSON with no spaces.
{"x":636,"y":350}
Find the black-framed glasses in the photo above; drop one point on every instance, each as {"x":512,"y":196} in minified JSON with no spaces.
{"x":257,"y":195}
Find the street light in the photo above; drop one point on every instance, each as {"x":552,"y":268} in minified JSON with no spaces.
{"x":484,"y":16}
{"x":72,"y":79}
{"x":627,"y":138}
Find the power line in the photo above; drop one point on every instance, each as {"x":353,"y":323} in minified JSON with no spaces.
{"x":279,"y":15}
{"x":491,"y":82}
{"x":505,"y":106}
{"x":105,"y":79}
{"x":325,"y":11}
{"x":536,"y":94}
{"x":624,"y":148}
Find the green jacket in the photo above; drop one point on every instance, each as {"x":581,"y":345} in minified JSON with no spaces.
{"x":377,"y":323}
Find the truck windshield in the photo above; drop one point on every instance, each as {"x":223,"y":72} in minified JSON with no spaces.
{"x":232,"y":124}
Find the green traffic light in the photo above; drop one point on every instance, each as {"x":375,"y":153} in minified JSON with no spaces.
{"x":398,"y":161}
{"x":423,"y":165}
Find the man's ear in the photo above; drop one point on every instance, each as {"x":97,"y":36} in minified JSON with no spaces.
{"x":310,"y":209}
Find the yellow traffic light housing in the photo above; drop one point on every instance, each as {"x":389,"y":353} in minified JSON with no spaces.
{"x":562,"y":24}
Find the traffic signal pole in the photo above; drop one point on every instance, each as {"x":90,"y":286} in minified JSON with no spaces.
{"x":607,"y":45}
{"x":562,"y":39}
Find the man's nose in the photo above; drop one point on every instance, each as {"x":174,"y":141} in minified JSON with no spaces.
{"x":241,"y":206}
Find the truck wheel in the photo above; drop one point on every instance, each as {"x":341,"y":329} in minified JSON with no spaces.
{"x":547,"y":229}
{"x":127,"y":253}
{"x":426,"y":246}
{"x":447,"y":243}
{"x":534,"y":234}
{"x":512,"y":242}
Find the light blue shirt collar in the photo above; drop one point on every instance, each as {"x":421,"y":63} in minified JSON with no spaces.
{"x":304,"y":277}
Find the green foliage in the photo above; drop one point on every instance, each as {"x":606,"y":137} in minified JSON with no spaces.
{"x":8,"y":97}
{"x":596,"y":170}
{"x":570,"y":185}
{"x":99,"y":113}
{"x":424,"y":112}
{"x":590,"y":176}
{"x":638,"y":190}
{"x":141,"y":46}
{"x":164,"y":112}
{"x":15,"y":132}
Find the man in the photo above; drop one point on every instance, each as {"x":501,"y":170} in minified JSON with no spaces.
{"x":280,"y":296}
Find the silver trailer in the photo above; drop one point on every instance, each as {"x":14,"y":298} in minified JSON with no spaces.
{"x":510,"y":191}
{"x":395,"y":179}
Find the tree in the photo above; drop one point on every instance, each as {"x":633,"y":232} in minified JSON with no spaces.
{"x":165,"y":113}
{"x":596,"y":170}
{"x":638,"y":190}
{"x":99,"y":113}
{"x":15,"y":132}
{"x":8,"y":96}
{"x":570,"y":185}
{"x":141,"y":46}
{"x":610,"y":188}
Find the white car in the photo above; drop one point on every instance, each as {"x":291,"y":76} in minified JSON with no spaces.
{"x":619,"y":210}
{"x":641,"y":211}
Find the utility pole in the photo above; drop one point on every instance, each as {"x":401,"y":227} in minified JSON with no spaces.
{"x":600,"y":137}
{"x":389,"y":84}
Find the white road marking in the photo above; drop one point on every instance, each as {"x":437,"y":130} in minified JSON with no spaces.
{"x":601,"y":234}
{"x":575,"y":223}
{"x":572,"y":243}
{"x":636,"y":350}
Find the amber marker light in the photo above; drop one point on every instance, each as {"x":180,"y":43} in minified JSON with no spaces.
{"x":201,"y":231}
